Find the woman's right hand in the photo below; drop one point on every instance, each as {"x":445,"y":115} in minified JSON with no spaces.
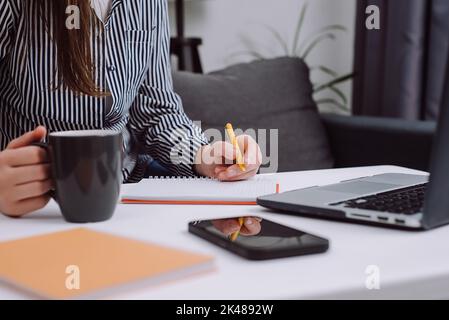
{"x":251,"y":226}
{"x":25,"y":176}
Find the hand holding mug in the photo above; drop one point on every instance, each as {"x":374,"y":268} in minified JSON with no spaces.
{"x":85,"y":173}
{"x":25,"y":175}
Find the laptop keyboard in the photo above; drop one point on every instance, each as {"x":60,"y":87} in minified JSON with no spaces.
{"x":407,"y":201}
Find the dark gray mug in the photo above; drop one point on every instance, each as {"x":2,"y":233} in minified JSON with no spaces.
{"x":87,"y":170}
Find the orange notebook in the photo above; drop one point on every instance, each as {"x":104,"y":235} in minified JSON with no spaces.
{"x":197,"y":191}
{"x":81,"y":263}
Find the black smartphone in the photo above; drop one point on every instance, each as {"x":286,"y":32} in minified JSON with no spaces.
{"x":264,"y":240}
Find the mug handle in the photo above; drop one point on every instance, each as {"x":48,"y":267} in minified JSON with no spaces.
{"x":42,"y":145}
{"x":45,"y":146}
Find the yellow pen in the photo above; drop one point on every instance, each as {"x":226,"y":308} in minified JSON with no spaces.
{"x":235,"y":235}
{"x":233,"y":139}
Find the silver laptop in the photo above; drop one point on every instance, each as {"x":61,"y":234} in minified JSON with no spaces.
{"x":395,"y":200}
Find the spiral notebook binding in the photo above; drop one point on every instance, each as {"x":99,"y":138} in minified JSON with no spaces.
{"x":184,"y":178}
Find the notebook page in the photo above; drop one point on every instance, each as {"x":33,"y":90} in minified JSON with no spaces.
{"x":197,"y":189}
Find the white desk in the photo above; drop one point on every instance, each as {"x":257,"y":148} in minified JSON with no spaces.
{"x":412,"y":264}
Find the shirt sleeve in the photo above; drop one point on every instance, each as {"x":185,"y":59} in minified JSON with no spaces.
{"x":157,"y":117}
{"x":6,"y":24}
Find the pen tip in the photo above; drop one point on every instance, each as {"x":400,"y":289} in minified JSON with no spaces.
{"x":228,"y":126}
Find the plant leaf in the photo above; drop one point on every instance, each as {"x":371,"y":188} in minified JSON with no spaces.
{"x":250,"y":43}
{"x":315,"y":42}
{"x":327,"y":29}
{"x":297,"y":35}
{"x":339,"y":93}
{"x":278,"y":37}
{"x":325,"y":69}
{"x":332,"y":102}
{"x":334,"y":82}
{"x":332,"y":27}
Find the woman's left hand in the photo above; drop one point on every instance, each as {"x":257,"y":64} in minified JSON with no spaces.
{"x":218,"y":159}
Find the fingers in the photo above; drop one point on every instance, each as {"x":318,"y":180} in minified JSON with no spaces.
{"x":252,"y":156}
{"x":218,"y":160}
{"x":25,"y":156}
{"x":28,"y":138}
{"x":251,"y":227}
{"x":32,"y":190}
{"x":223,"y":150}
{"x":220,"y":168}
{"x":234,"y":173}
{"x":227,"y":226}
{"x":251,"y":153}
{"x":29,"y":205}
{"x":212,"y":156}
{"x":26,"y":174}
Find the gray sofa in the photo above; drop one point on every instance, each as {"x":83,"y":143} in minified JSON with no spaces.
{"x":277,"y":94}
{"x":366,"y":141}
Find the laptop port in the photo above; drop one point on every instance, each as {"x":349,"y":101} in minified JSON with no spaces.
{"x":400,"y":221}
{"x":359,"y":215}
{"x":382,"y":218}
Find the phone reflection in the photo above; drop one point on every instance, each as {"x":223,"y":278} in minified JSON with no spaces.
{"x":257,"y":233}
{"x":233,"y":227}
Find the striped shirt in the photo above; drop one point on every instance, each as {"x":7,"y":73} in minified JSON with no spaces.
{"x":132,"y":60}
{"x":101,"y":8}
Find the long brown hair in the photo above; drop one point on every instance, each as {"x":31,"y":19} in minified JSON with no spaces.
{"x":75,"y":68}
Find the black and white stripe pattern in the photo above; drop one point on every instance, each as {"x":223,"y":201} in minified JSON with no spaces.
{"x":132,"y":61}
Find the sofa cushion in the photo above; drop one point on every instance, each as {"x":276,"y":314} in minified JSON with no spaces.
{"x":266,"y":94}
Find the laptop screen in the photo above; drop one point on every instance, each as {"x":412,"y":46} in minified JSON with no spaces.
{"x":436,"y":206}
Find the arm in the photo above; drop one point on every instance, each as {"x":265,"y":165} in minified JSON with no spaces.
{"x":24,"y":169}
{"x":6,"y":25}
{"x":157,"y":117}
{"x":158,"y":120}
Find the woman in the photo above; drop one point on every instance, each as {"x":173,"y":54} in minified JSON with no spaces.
{"x":109,"y":69}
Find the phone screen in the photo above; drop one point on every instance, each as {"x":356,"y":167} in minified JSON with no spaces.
{"x":264,"y":236}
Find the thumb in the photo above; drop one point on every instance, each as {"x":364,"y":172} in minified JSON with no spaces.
{"x":28,"y":138}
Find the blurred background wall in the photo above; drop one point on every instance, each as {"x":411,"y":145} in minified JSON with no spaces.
{"x":232,"y":28}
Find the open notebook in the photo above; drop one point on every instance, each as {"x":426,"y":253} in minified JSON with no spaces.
{"x":198,"y":191}
{"x":81,"y":263}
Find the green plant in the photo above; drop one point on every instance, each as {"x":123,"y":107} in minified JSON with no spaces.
{"x":303,"y":46}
